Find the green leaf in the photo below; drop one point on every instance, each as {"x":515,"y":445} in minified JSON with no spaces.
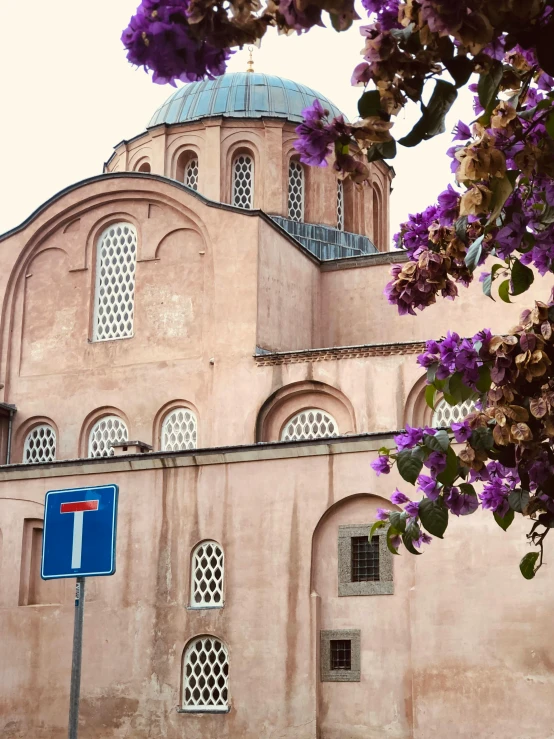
{"x":458,"y":389}
{"x":398,"y":521}
{"x":390,"y":533}
{"x":461,"y":228}
{"x":504,"y":291}
{"x":473,"y":254}
{"x":482,"y":439}
{"x":369,"y":104}
{"x":460,"y":68}
{"x":527,"y":565}
{"x":488,"y":84}
{"x":438,"y":442}
{"x":467,"y":489}
{"x":408,"y":544}
{"x":433,"y":515}
{"x":430,"y":396}
{"x":487,"y":282}
{"x":506,"y":521}
{"x":518,"y":500}
{"x":483,"y":384}
{"x":431,"y":122}
{"x":522,"y":278}
{"x":501,"y":188}
{"x":448,"y":475}
{"x":376,"y":526}
{"x":409,"y":463}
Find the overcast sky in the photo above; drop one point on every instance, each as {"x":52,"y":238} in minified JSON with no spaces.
{"x":68,"y":95}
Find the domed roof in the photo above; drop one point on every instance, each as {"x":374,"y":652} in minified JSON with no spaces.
{"x":240,"y":95}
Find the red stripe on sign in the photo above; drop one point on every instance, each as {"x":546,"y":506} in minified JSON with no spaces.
{"x":79,"y":505}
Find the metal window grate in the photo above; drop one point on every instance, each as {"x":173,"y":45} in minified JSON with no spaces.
{"x":114,"y":299}
{"x":341,"y":654}
{"x":340,"y":205}
{"x":207,"y":576}
{"x":206,"y":675}
{"x":40,"y":444}
{"x":296,"y":192}
{"x":445,"y":414}
{"x":243,"y":181}
{"x":191,"y":174}
{"x":365,"y":559}
{"x":106,"y":431}
{"x":179,"y":430}
{"x":310,"y":424}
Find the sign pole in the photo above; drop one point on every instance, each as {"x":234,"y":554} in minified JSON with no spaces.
{"x":76,"y":659}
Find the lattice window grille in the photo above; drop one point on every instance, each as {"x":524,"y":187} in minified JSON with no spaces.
{"x":445,"y":414}
{"x":365,"y":559}
{"x":191,"y":174}
{"x":106,"y":431}
{"x":207,"y":576}
{"x":206,"y":675}
{"x":115,"y":283}
{"x":310,"y":424}
{"x":296,"y":191}
{"x":179,"y":430}
{"x":341,"y":654}
{"x":40,"y":444}
{"x":340,"y":205}
{"x":243,"y":181}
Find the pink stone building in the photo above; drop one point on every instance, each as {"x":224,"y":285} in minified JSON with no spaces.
{"x":212,"y":298}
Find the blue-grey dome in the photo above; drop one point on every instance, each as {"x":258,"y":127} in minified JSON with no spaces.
{"x":240,"y":95}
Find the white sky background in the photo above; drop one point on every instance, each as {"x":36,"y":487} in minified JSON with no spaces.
{"x":68,"y":95}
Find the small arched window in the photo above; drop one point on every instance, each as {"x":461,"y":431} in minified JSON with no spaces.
{"x":191,"y":174}
{"x":206,"y":583}
{"x":206,"y":675}
{"x":40,"y":444}
{"x":376,"y":219}
{"x":243,"y":181}
{"x":445,"y":415}
{"x":296,"y":191}
{"x":310,"y":424}
{"x":340,"y":205}
{"x":106,"y":431}
{"x":114,"y":298}
{"x":144,"y":167}
{"x":179,"y":429}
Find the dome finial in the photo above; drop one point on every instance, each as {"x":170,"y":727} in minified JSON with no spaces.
{"x":250,"y":63}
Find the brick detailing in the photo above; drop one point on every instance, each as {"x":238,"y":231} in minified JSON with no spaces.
{"x":340,"y":352}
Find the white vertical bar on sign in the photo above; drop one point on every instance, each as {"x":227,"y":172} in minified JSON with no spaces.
{"x":77,"y":540}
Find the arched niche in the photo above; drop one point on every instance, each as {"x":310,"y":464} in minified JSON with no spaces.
{"x":291,"y":399}
{"x":416,"y":411}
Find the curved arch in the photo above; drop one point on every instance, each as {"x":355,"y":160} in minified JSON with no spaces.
{"x":164,"y":411}
{"x":377,"y":218}
{"x":27,"y":428}
{"x":206,"y":689}
{"x":90,"y":421}
{"x":186,"y":141}
{"x":241,"y":145}
{"x":143,"y":166}
{"x":182,"y":231}
{"x":416,"y":411}
{"x":97,"y":229}
{"x":207,"y":575}
{"x":291,"y":399}
{"x":138,"y":156}
{"x":181,"y":160}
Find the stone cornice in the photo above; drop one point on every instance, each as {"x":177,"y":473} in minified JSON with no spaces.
{"x":340,"y":352}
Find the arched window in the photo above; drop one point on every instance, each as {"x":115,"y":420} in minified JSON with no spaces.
{"x":206,"y":582}
{"x":179,"y":430}
{"x":310,"y":424}
{"x":296,"y":191}
{"x":205,"y":675}
{"x":106,"y":431}
{"x":445,"y":415}
{"x":114,"y":299}
{"x":144,"y":167}
{"x":243,"y":181}
{"x":191,"y":174}
{"x":40,"y":444}
{"x":376,"y":220}
{"x":340,"y":205}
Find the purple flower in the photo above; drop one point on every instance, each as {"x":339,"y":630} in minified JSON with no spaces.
{"x":382,"y":514}
{"x":461,"y":132}
{"x":412,"y":509}
{"x":449,"y":201}
{"x":399,"y":498}
{"x":423,"y":539}
{"x":510,"y":236}
{"x":395,"y":541}
{"x":436,"y":462}
{"x":429,"y":486}
{"x":494,"y":497}
{"x":461,"y":431}
{"x":381,"y":465}
{"x":409,"y":439}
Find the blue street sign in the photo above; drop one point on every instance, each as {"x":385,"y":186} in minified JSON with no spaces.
{"x":79,"y":532}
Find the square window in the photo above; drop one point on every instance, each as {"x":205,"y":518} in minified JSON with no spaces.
{"x":341,"y":654}
{"x":365,"y":559}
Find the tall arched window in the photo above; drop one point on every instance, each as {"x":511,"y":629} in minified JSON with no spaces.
{"x":206,"y":675}
{"x":191,"y":174}
{"x":445,"y":415}
{"x":114,"y":298}
{"x":340,"y":205}
{"x":243,"y":181}
{"x":106,"y":431}
{"x":206,"y":582}
{"x":296,"y":191}
{"x":40,"y":444}
{"x":310,"y":424}
{"x":179,"y":429}
{"x":376,"y":220}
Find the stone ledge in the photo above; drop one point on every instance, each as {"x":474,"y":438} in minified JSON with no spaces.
{"x":340,"y":352}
